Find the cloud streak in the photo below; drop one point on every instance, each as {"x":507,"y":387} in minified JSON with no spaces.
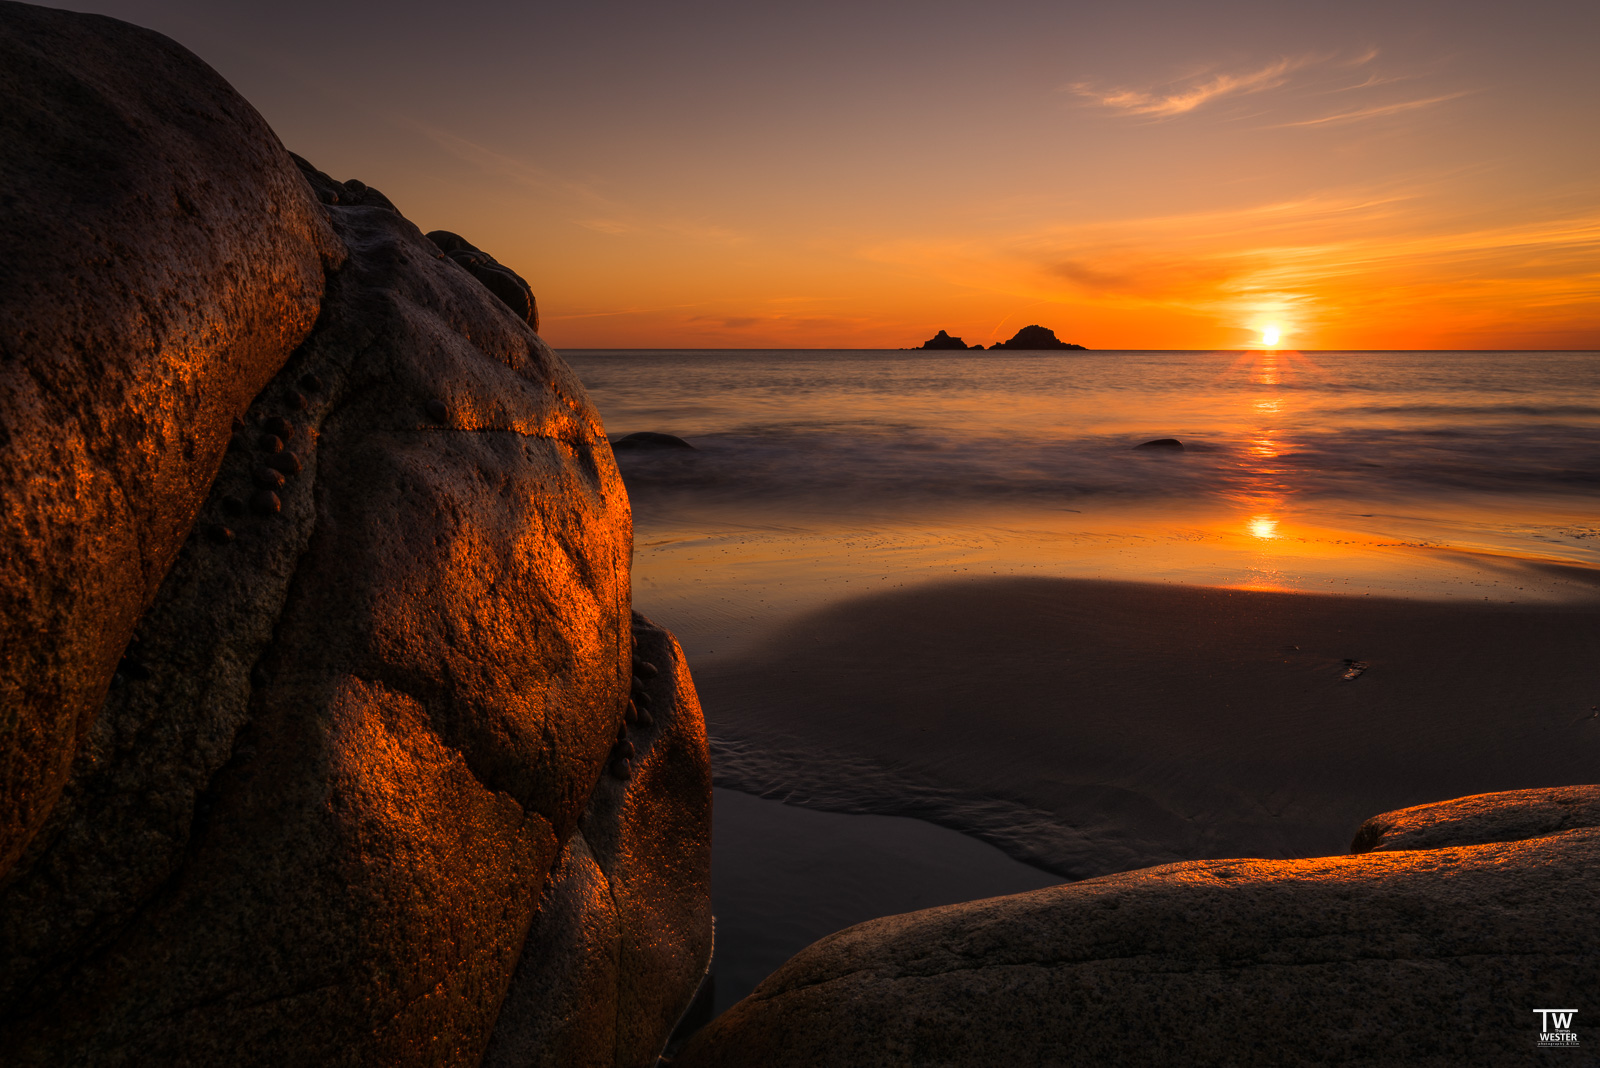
{"x":1181,"y":100}
{"x":1191,"y":94}
{"x":1374,"y":112}
{"x":586,"y":206}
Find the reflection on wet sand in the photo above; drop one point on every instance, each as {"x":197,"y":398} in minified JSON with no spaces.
{"x":1263,"y":488}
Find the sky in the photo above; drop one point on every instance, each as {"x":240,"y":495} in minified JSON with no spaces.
{"x":1144,"y":175}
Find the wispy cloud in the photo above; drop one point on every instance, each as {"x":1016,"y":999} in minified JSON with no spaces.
{"x":614,"y":227}
{"x":512,"y":169}
{"x":1312,"y":74}
{"x":1376,"y":112}
{"x":1186,"y":96}
{"x":588,"y":207}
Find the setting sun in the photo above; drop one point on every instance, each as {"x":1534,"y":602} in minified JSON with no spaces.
{"x":1269,"y":336}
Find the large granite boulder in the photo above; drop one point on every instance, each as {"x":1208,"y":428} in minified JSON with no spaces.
{"x":163,"y":258}
{"x":1414,"y":957}
{"x":379,"y":692}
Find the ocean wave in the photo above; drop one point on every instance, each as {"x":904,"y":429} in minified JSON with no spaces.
{"x":911,"y":463}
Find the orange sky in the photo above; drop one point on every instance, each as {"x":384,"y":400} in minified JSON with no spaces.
{"x":1149,"y":175}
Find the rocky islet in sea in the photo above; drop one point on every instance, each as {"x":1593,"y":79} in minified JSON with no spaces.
{"x":331,"y":736}
{"x":1029,"y":338}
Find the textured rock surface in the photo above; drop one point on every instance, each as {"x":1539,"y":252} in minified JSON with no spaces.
{"x":163,"y":258}
{"x":623,"y":935}
{"x":1508,"y":816}
{"x":499,"y":279}
{"x":1431,"y":957}
{"x":384,"y":677}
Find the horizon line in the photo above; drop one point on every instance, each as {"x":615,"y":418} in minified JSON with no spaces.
{"x":866,"y":348}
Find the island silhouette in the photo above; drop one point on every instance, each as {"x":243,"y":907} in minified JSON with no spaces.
{"x":1029,"y":337}
{"x":942,"y":340}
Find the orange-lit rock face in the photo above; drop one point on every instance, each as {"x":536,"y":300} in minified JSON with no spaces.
{"x":163,"y":258}
{"x":624,"y":926}
{"x":319,"y":831}
{"x":1416,"y":957}
{"x":1507,"y":816}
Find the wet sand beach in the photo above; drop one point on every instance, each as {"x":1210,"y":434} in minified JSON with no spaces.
{"x":1090,"y":727}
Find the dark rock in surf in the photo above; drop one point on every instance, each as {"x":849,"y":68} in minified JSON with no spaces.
{"x":649,"y":440}
{"x":1034,"y":338}
{"x":942,"y":340}
{"x":1162,"y":444}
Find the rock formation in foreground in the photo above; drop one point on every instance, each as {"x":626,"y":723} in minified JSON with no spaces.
{"x":162,"y":260}
{"x":1032,"y":338}
{"x":387,"y":774}
{"x":1398,"y":956}
{"x":942,"y":340}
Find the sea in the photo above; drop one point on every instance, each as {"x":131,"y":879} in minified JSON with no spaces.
{"x":1437,"y":474}
{"x":812,"y":477}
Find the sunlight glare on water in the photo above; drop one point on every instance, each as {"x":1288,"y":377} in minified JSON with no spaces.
{"x":819,"y":475}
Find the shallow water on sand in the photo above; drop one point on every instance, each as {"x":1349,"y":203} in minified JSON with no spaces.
{"x":783,"y":877}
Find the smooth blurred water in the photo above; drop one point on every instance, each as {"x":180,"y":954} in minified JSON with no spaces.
{"x":875,"y":427}
{"x":816,"y":475}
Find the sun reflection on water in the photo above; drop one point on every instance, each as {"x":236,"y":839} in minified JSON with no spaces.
{"x":1263,"y":487}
